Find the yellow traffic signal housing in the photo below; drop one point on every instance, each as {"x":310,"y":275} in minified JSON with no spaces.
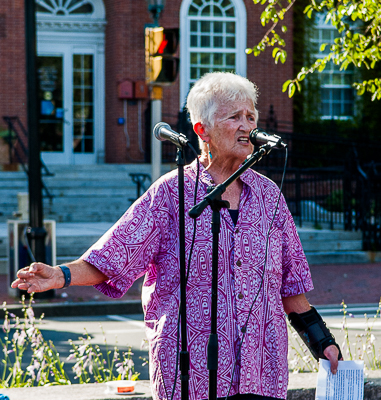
{"x":160,"y":47}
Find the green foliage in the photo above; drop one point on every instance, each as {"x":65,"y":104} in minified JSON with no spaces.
{"x":358,"y":24}
{"x":334,"y":202}
{"x":45,"y":367}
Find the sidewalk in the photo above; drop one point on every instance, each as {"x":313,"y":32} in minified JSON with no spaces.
{"x":355,"y":284}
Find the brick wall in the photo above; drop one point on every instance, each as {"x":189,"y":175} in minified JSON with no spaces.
{"x":12,"y":61}
{"x":124,"y":53}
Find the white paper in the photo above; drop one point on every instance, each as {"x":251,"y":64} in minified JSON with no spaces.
{"x":346,"y":384}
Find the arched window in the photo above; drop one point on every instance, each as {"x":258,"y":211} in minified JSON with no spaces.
{"x":59,"y":7}
{"x":213,"y":38}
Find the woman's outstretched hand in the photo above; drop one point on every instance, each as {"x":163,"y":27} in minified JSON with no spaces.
{"x":39,"y":277}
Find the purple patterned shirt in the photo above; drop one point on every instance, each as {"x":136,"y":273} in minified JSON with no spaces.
{"x":146,"y":241}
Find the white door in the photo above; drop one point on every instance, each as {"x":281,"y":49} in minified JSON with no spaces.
{"x":67,"y":98}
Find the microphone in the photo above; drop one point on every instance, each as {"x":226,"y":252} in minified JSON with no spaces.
{"x":259,"y":137}
{"x":162,"y":131}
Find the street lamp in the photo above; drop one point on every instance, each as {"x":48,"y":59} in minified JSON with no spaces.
{"x":155,"y":7}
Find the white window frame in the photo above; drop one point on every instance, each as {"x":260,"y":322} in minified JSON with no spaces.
{"x":320,"y":26}
{"x":185,"y":50}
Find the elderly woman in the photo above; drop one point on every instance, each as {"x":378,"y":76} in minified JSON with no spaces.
{"x":146,"y":241}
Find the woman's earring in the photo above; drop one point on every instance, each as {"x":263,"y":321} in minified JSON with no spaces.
{"x":210,"y":154}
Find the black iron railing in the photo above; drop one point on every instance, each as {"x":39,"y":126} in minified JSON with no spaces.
{"x":140,"y":181}
{"x":17,"y":142}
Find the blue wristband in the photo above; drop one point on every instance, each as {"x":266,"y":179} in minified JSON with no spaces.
{"x":67,"y":275}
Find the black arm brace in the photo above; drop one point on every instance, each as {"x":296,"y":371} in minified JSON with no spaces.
{"x":313,"y":331}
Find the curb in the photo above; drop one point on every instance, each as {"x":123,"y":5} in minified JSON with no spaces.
{"x":91,"y":308}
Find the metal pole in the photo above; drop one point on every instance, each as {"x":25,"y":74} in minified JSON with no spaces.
{"x":36,"y":230}
{"x":156,"y":98}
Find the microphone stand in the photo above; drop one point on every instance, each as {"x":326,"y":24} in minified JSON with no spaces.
{"x":184,"y":354}
{"x":216,"y":203}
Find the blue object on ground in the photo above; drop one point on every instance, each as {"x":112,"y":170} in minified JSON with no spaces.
{"x":3,"y":397}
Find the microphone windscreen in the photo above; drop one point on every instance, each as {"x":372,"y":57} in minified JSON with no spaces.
{"x":157,"y":129}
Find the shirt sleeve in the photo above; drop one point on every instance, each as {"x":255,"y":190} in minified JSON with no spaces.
{"x":127,"y":250}
{"x":296,"y":277}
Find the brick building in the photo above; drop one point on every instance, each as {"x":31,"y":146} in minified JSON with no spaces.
{"x":87,"y":48}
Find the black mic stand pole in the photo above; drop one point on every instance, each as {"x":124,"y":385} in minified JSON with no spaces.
{"x":184,"y":354}
{"x":216,"y":203}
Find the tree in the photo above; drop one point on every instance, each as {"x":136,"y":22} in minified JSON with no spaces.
{"x":359,"y":43}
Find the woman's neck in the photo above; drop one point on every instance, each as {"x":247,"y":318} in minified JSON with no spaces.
{"x":219,"y":170}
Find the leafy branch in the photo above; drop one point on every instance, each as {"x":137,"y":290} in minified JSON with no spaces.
{"x":358,"y":24}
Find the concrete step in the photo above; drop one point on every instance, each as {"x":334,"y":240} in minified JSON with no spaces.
{"x":83,"y":193}
{"x":343,"y":257}
{"x":329,"y":246}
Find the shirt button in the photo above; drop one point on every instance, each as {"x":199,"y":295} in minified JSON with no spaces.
{"x":240,"y":296}
{"x":237,"y":230}
{"x":239,"y":263}
{"x":243,"y":330}
{"x":212,"y":181}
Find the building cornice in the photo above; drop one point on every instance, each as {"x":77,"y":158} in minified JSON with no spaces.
{"x":74,"y":25}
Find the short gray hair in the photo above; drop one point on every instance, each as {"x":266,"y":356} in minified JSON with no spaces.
{"x":215,"y":89}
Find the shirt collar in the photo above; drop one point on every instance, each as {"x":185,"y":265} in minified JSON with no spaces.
{"x":248,"y":177}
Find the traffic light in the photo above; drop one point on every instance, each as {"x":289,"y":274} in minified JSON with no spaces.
{"x":161,"y":64}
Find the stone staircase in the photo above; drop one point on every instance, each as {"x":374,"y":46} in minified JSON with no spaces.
{"x":81,"y":193}
{"x":323,"y":246}
{"x":89,"y":199}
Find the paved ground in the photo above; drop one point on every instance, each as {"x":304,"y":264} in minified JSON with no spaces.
{"x":355,"y":284}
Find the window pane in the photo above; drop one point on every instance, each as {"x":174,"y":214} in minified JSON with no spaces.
{"x":88,"y":78}
{"x":87,"y":95}
{"x":217,"y":58}
{"x":217,"y":27}
{"x":193,"y":58}
{"x":218,"y":41}
{"x":205,"y":58}
{"x":325,"y":79}
{"x":217,"y":11}
{"x":205,"y":11}
{"x":230,"y":42}
{"x":326,"y":35}
{"x":230,"y":27}
{"x":205,"y":26}
{"x":198,"y":2}
{"x":347,"y":79}
{"x":336,"y":79}
{"x":77,"y":95}
{"x":348,"y":109}
{"x":226,"y":3}
{"x":88,"y":61}
{"x":205,"y":41}
{"x":193,"y":26}
{"x":325,"y":94}
{"x":76,"y":78}
{"x":336,"y":109}
{"x":325,"y":109}
{"x":193,"y":41}
{"x":193,"y":10}
{"x":194,"y":74}
{"x":77,"y":61}
{"x":336,"y":94}
{"x":89,"y":145}
{"x":204,"y":71}
{"x":348,"y":94}
{"x":230,"y":12}
{"x":230,"y":59}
